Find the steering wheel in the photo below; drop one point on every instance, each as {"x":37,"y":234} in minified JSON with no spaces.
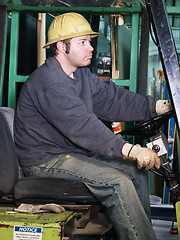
{"x":148,"y":128}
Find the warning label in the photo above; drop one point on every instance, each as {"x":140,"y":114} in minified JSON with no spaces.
{"x":27,"y":233}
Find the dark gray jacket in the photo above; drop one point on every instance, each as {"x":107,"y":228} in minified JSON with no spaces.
{"x":57,"y":114}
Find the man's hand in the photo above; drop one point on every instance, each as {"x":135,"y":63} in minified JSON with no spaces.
{"x":163,"y":106}
{"x":145,"y":157}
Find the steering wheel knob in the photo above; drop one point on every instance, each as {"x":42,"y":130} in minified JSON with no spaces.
{"x":156,"y":148}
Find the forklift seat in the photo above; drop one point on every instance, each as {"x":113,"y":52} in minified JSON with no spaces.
{"x":89,"y":222}
{"x":44,"y":189}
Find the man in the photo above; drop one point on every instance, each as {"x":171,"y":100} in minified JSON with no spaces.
{"x":58,"y":132}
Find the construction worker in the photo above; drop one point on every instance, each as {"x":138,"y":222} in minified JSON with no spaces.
{"x":58,"y":132}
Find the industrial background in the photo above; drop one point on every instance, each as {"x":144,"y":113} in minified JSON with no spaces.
{"x":125,"y":51}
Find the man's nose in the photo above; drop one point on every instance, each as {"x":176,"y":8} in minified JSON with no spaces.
{"x":90,"y":47}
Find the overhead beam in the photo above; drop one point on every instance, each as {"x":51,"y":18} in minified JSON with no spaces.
{"x":98,"y":10}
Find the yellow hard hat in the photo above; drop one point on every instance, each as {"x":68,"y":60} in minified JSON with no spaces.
{"x":68,"y":25}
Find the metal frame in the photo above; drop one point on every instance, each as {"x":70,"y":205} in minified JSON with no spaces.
{"x":98,"y":10}
{"x":167,"y":51}
{"x":15,"y":11}
{"x":4,"y":35}
{"x":131,"y":83}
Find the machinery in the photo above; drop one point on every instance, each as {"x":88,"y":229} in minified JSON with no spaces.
{"x":84,"y":213}
{"x":158,"y":142}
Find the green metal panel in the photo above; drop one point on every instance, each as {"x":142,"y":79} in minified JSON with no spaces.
{"x":20,"y":79}
{"x":122,"y":83}
{"x":124,"y":50}
{"x":17,"y":1}
{"x":132,"y":82}
{"x":173,"y":10}
{"x":134,"y":52}
{"x":52,"y":224}
{"x":98,"y":10}
{"x":3,"y":61}
{"x":13,"y":60}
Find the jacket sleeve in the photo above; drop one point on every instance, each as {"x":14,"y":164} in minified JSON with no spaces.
{"x":113,"y":103}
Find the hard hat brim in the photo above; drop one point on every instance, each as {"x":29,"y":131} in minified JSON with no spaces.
{"x":60,"y":38}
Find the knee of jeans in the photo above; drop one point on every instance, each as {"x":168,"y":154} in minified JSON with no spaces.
{"x":123,"y":179}
{"x":109,"y":188}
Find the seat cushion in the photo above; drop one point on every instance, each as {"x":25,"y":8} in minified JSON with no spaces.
{"x":52,"y":188}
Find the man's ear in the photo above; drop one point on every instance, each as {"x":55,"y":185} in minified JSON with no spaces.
{"x":61,"y":47}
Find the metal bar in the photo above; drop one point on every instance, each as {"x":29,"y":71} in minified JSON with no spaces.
{"x":143,"y":58}
{"x":134,"y":52}
{"x":173,"y":10}
{"x":17,"y":1}
{"x":167,"y":51}
{"x":105,"y":10}
{"x":20,"y":79}
{"x":123,"y":83}
{"x":3,"y":27}
{"x":114,"y":47}
{"x":13,"y":61}
{"x":19,"y":7}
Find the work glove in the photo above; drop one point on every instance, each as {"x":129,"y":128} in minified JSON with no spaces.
{"x":145,"y":157}
{"x":163,"y":106}
{"x":31,"y":209}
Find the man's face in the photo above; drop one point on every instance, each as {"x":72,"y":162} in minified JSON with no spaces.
{"x":80,"y":53}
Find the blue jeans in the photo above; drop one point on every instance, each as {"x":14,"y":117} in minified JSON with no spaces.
{"x":118,"y":184}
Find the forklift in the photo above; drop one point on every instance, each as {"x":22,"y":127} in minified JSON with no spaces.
{"x":84,"y":216}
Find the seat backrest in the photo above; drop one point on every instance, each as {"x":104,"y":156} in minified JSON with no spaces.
{"x":9,"y":169}
{"x":32,"y":187}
